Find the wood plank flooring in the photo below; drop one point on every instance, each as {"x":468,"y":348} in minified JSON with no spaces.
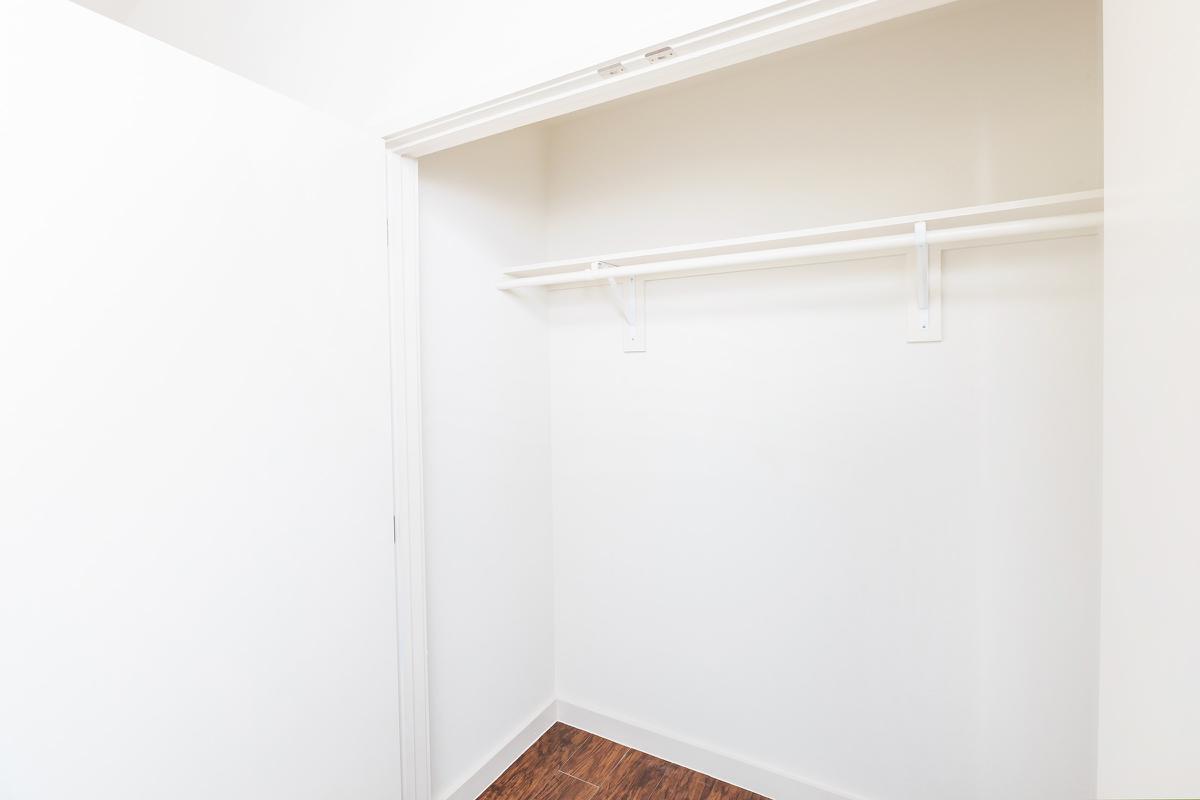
{"x":569,"y":764}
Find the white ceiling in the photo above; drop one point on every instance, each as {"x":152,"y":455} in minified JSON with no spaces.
{"x":116,"y":9}
{"x":383,"y":65}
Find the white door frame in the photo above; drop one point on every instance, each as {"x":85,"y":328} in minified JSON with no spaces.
{"x":404,"y":304}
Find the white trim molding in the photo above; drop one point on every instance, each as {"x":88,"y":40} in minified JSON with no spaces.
{"x":494,"y":767}
{"x":722,"y":766}
{"x":407,"y":473}
{"x":776,"y":27}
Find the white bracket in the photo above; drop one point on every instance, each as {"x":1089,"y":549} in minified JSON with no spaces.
{"x":629,"y":294}
{"x":661,"y":54}
{"x":925,"y":309}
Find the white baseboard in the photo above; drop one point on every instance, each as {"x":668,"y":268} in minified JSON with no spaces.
{"x":755,"y":777}
{"x":473,"y":786}
{"x":746,"y":774}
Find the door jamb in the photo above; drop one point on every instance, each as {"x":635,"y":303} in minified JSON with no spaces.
{"x":408,"y":473}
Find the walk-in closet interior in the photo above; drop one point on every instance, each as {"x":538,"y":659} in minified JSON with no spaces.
{"x":552,"y":400}
{"x":788,"y":523}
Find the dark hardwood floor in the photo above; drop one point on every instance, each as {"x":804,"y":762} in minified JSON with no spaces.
{"x":570,"y":764}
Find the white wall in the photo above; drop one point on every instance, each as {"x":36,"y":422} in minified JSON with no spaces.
{"x":951,"y":107}
{"x":487,"y":453}
{"x":1150,"y":701}
{"x":388,"y":65}
{"x":784,"y":533}
{"x":196,"y":573}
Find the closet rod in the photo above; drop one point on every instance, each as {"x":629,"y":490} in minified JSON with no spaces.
{"x":876,"y":244}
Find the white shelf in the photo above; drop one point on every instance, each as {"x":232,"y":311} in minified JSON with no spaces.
{"x":1038,"y":217}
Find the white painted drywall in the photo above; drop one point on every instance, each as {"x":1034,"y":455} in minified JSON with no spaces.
{"x":1150,"y":697}
{"x":114,"y":9}
{"x":196,"y":572}
{"x":936,"y":110}
{"x":487,"y":453}
{"x":782,"y":532}
{"x":388,"y":65}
